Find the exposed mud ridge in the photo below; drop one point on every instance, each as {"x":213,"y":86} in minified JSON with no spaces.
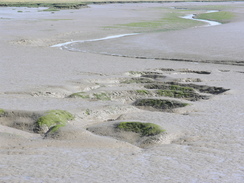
{"x":203,"y":88}
{"x":176,"y":91}
{"x":146,"y":74}
{"x":223,"y":62}
{"x":158,"y":104}
{"x":35,"y":122}
{"x":184,"y":70}
{"x":137,"y":80}
{"x":22,"y":120}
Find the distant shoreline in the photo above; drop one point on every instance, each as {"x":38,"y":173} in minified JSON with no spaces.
{"x":76,"y":4}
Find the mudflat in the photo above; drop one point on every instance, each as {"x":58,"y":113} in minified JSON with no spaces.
{"x":113,"y":63}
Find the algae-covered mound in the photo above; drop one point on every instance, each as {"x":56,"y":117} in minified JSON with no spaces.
{"x":138,"y":133}
{"x":2,"y":111}
{"x":53,"y":119}
{"x":158,"y":104}
{"x":145,"y":129}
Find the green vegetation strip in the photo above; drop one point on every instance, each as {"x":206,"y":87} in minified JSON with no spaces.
{"x":159,"y":103}
{"x":137,"y":80}
{"x":175,"y":94}
{"x":172,"y":21}
{"x":101,"y":96}
{"x":53,"y":119}
{"x":172,"y":87}
{"x":145,"y":129}
{"x":142,"y":92}
{"x":221,"y":16}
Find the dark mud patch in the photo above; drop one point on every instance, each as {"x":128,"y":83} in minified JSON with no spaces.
{"x":193,"y":71}
{"x":223,"y":62}
{"x":21,"y":120}
{"x":184,"y":70}
{"x":44,"y":4}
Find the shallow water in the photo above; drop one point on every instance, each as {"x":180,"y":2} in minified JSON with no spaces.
{"x":91,"y":40}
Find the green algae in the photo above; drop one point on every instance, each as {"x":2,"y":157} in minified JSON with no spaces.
{"x":79,"y":95}
{"x":221,"y":16}
{"x":142,"y":92}
{"x":145,"y":129}
{"x":101,"y":96}
{"x":175,"y":93}
{"x":2,"y":111}
{"x":171,"y":21}
{"x":173,"y":87}
{"x":51,"y":119}
{"x":55,"y":128}
{"x":159,"y":104}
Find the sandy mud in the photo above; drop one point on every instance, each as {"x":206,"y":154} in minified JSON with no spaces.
{"x":61,"y":105}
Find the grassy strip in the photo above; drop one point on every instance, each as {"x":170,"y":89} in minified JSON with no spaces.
{"x":221,"y":16}
{"x":145,"y":129}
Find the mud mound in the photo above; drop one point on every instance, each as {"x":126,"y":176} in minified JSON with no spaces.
{"x":134,"y":137}
{"x":183,"y":70}
{"x":21,"y":120}
{"x":177,"y":90}
{"x":67,"y":132}
{"x":203,"y":88}
{"x":35,"y":122}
